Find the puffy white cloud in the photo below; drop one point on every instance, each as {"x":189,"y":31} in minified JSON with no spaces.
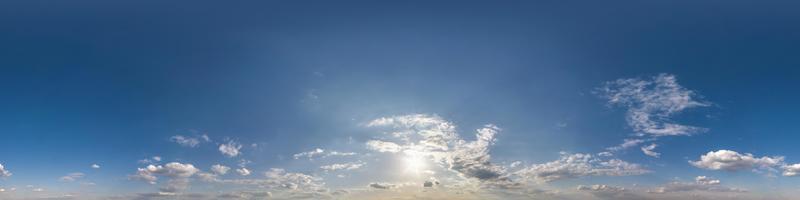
{"x":95,"y":166}
{"x":185,"y":140}
{"x":178,"y":174}
{"x":243,"y":171}
{"x":580,"y":165}
{"x":791,"y":170}
{"x":648,"y":150}
{"x":651,"y":103}
{"x":4,"y":172}
{"x":734,"y":161}
{"x":71,"y":177}
{"x":230,"y":149}
{"x":220,"y":169}
{"x":343,"y":166}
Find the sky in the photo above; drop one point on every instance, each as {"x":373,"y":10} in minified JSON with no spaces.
{"x":399,"y":100}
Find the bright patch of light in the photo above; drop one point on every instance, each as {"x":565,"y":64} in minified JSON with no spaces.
{"x":415,"y":162}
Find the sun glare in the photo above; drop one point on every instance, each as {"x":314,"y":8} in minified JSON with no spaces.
{"x":414,"y":163}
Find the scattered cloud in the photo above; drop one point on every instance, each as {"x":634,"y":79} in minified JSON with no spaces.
{"x":343,"y":166}
{"x":652,"y":102}
{"x":702,"y":183}
{"x":230,"y":149}
{"x":178,"y":174}
{"x":321,"y":153}
{"x":580,"y":165}
{"x":95,"y":166}
{"x":728,"y":160}
{"x":3,"y":172}
{"x":243,"y":171}
{"x":791,"y":170}
{"x":627,"y":143}
{"x":71,"y":177}
{"x":220,"y":169}
{"x":432,"y":138}
{"x":185,"y":140}
{"x":648,"y":150}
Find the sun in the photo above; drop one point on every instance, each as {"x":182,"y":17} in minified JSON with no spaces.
{"x":414,"y":162}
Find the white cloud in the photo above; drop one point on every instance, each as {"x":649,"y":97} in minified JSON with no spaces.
{"x":317,"y":153}
{"x":702,"y":183}
{"x":648,"y":150}
{"x":704,"y":180}
{"x":343,"y":166}
{"x":230,"y":149}
{"x":185,"y":140}
{"x":580,"y":165}
{"x":220,"y":169}
{"x":604,"y":191}
{"x":651,"y":103}
{"x":95,"y":166}
{"x":734,"y":161}
{"x":383,"y":146}
{"x":3,"y":172}
{"x":72,"y":177}
{"x":627,"y":143}
{"x":791,"y":170}
{"x":243,"y":171}
{"x":431,"y":137}
{"x":178,"y":174}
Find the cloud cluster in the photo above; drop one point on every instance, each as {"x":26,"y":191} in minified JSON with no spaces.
{"x":580,"y":165}
{"x":728,"y":160}
{"x":430,"y":136}
{"x":230,"y":149}
{"x":178,"y":174}
{"x":220,"y":169}
{"x":3,"y":172}
{"x":651,"y":103}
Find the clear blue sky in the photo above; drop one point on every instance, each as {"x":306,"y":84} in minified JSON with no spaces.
{"x":114,"y":83}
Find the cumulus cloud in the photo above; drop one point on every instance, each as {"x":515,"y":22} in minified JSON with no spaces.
{"x":243,"y":171}
{"x":95,"y":166}
{"x":3,"y":172}
{"x":178,"y":174}
{"x":71,"y":177}
{"x":728,"y":160}
{"x":230,"y":149}
{"x":580,"y":165}
{"x":648,"y":150}
{"x":343,"y":166}
{"x":652,"y":102}
{"x":220,"y":169}
{"x":791,"y":170}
